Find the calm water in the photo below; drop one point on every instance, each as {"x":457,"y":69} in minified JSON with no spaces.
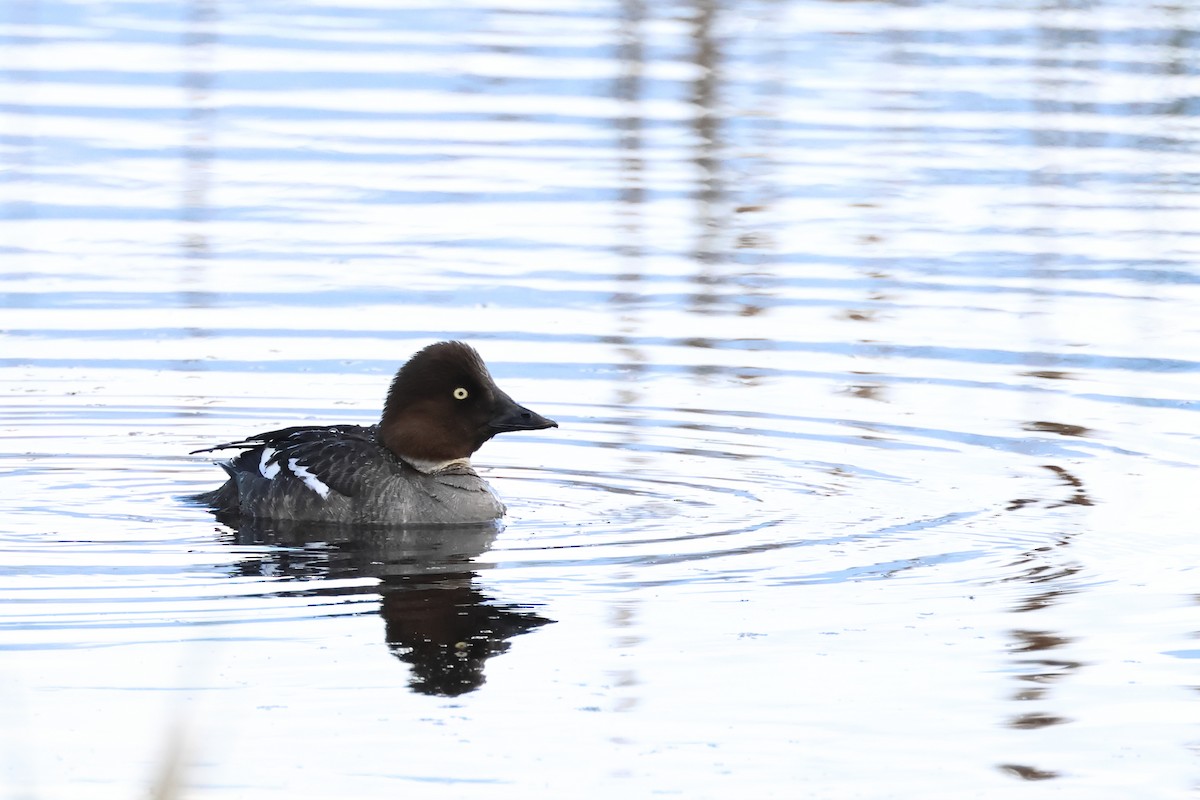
{"x":871,"y":328}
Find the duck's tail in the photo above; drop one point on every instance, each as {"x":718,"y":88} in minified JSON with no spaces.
{"x":225,"y":497}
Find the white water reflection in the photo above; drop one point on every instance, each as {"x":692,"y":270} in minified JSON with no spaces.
{"x":870,"y":330}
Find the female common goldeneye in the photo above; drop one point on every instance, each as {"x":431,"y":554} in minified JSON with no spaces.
{"x":413,"y":467}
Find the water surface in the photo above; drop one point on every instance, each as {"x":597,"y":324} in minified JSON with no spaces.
{"x":870,"y":328}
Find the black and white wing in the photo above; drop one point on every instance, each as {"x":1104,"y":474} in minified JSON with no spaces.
{"x":326,"y":461}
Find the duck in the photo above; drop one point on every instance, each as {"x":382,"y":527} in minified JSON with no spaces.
{"x":413,"y":467}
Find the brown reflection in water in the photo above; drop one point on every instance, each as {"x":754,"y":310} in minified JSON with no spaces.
{"x":199,"y":43}
{"x":708,"y":157}
{"x":1048,"y":374}
{"x":1036,"y":602}
{"x":869,"y":313}
{"x":1037,"y":653}
{"x":1028,"y":773}
{"x":1046,"y":176}
{"x":628,"y":298}
{"x":436,"y":616}
{"x":1035,"y":720}
{"x":1061,"y":428}
{"x":1078,"y":497}
{"x":1033,"y":641}
{"x":866,"y":390}
{"x":623,"y":618}
{"x":731,"y":240}
{"x":874,"y":220}
{"x":625,"y":683}
{"x":1041,"y":671}
{"x":626,"y":303}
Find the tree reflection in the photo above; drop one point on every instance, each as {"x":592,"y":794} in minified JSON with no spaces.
{"x":436,"y":617}
{"x":1037,"y":655}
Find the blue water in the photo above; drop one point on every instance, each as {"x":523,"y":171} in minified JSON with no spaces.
{"x":869,"y":328}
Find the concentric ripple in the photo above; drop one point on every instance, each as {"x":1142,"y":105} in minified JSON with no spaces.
{"x":680,"y":501}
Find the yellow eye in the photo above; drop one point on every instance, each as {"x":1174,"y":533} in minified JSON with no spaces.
{"x":460,"y":393}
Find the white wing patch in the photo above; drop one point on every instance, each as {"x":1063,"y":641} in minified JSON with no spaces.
{"x":266,"y":469}
{"x":310,"y":480}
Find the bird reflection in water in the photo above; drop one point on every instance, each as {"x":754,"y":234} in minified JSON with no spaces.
{"x":436,"y":617}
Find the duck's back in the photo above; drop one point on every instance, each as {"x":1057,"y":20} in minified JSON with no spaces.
{"x":341,"y":473}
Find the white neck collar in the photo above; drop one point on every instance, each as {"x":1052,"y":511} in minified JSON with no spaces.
{"x":429,"y":467}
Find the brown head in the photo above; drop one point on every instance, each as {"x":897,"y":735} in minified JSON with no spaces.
{"x":443,"y":405}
